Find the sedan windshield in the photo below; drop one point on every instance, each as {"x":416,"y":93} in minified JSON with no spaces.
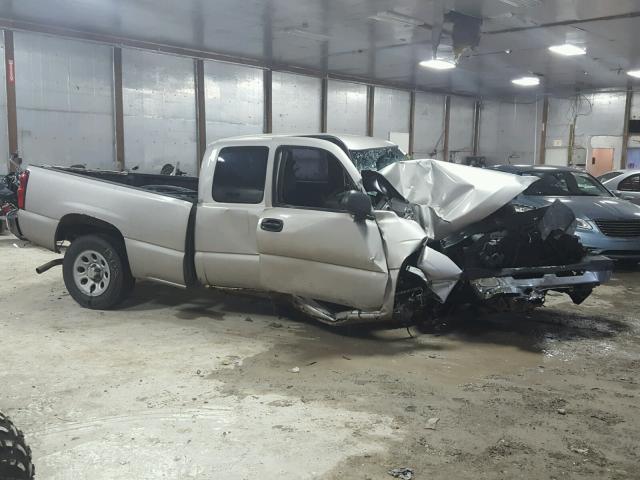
{"x":561,"y":183}
{"x":376,"y":158}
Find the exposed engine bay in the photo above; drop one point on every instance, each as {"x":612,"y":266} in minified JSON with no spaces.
{"x":480,"y":247}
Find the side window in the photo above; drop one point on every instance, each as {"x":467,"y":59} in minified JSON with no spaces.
{"x":310,"y":178}
{"x":240,"y":175}
{"x":630,"y":184}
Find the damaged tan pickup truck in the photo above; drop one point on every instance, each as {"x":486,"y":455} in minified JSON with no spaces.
{"x":345,"y":227}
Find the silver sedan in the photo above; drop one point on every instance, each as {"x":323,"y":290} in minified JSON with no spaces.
{"x":623,"y":183}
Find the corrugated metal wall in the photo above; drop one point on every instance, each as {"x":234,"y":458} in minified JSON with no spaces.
{"x":508,"y":132}
{"x":461,"y":128}
{"x":64,"y":96}
{"x":296,"y":103}
{"x":346,"y":108}
{"x":428,"y":137}
{"x":391,"y":112}
{"x":234,"y":100}
{"x":159,"y":111}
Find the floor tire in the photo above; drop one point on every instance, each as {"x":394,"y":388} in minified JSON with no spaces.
{"x":96,"y":272}
{"x":15,"y":455}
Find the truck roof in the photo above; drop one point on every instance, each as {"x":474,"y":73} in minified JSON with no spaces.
{"x":352,"y":142}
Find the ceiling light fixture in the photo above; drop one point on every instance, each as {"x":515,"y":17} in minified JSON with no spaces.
{"x":522,"y":3}
{"x":526,"y":81}
{"x":634,"y":73}
{"x":568,"y":50}
{"x":300,"y":32}
{"x":438,"y":64}
{"x":391,"y":16}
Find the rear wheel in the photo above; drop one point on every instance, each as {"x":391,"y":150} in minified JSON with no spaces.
{"x":96,"y":272}
{"x":15,"y":455}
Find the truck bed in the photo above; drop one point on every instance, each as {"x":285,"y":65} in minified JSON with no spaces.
{"x":182,"y":187}
{"x":153,"y":213}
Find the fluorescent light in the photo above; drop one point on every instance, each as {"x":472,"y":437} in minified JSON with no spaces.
{"x":438,"y":64}
{"x":394,"y":17}
{"x":568,"y":50}
{"x":526,"y":81}
{"x":299,"y":32}
{"x":522,"y":3}
{"x":634,"y":73}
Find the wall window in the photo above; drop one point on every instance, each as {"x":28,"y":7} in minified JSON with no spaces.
{"x":240,"y":175}
{"x":310,"y":178}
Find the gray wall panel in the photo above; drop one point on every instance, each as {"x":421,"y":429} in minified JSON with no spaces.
{"x":391,"y":112}
{"x":4,"y":139}
{"x":508,"y":132}
{"x":346,"y":108}
{"x":296,"y":103}
{"x":600,"y":114}
{"x":64,"y":96}
{"x":461,"y":127}
{"x":561,"y":112}
{"x":159,"y":111}
{"x":428,"y":125}
{"x":234,"y":100}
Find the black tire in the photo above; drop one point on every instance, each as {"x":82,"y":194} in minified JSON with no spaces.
{"x":120,"y":282}
{"x":15,"y":455}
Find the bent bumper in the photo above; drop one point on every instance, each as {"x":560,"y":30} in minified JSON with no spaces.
{"x":13,"y":225}
{"x":532,"y":282}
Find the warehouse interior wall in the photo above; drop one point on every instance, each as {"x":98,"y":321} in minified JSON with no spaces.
{"x":296,"y":103}
{"x":346,"y":108}
{"x":64,"y":99}
{"x":234,"y":100}
{"x":508,"y":132}
{"x":65,"y":111}
{"x":159,"y":111}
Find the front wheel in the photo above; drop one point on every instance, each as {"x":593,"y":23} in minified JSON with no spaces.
{"x":96,"y":272}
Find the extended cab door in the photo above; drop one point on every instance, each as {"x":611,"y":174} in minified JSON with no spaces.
{"x":308,"y":244}
{"x":231,"y":200}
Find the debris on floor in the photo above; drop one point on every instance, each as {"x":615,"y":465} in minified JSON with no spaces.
{"x":431,"y":423}
{"x":403,"y":473}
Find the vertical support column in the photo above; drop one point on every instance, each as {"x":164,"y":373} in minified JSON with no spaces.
{"x":412,"y":115}
{"x":447,"y":117}
{"x":625,"y":133}
{"x":201,"y":115}
{"x":268,"y":101}
{"x":324,"y":87}
{"x":118,"y":107}
{"x":477,"y":108}
{"x":370,"y":109}
{"x":10,"y":80}
{"x":543,"y":130}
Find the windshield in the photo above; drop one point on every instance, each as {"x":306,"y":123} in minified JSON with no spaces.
{"x":563,"y":183}
{"x":376,"y":158}
{"x":609,"y":176}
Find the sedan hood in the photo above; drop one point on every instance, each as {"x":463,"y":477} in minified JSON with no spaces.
{"x":590,"y":208}
{"x":447,"y":197}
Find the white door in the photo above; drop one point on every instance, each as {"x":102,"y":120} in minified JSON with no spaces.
{"x":308,"y":244}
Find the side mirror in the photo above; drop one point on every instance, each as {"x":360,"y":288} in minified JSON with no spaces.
{"x":358,"y":204}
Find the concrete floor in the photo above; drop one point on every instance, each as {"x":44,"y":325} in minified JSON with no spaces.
{"x":198,"y":385}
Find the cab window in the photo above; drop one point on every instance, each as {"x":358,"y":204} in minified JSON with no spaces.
{"x":310,"y":178}
{"x":240,"y":175}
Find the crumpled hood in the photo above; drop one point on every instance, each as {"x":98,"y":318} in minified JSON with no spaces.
{"x":447,"y":197}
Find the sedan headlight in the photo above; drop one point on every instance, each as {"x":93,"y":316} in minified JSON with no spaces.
{"x":582,"y":224}
{"x":519,"y":208}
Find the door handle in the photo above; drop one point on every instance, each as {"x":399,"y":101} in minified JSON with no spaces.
{"x":272,"y":224}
